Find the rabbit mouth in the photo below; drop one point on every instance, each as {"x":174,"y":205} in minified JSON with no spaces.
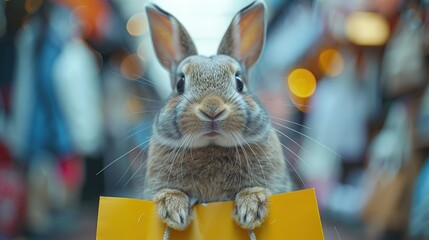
{"x":212,"y":129}
{"x":212,"y":134}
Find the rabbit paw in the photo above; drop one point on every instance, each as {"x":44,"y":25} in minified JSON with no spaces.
{"x":173,"y":208}
{"x":251,"y":207}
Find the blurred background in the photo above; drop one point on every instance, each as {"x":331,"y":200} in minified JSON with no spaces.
{"x":345,"y":83}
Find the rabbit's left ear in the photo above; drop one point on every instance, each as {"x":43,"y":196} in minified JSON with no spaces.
{"x":170,"y":39}
{"x":245,"y":36}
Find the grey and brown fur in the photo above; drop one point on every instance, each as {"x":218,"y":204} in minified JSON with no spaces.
{"x":243,"y":160}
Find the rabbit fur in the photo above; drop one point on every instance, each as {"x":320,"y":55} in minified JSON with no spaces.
{"x":212,"y":139}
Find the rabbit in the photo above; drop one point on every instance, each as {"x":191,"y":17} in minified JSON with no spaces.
{"x":212,"y":139}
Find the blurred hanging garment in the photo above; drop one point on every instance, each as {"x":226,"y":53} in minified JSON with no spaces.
{"x":56,"y":104}
{"x":423,"y":122}
{"x":403,"y":68}
{"x":392,"y":169}
{"x":79,"y":93}
{"x":419,"y":215}
{"x":388,"y":205}
{"x":339,"y":110}
{"x":42,"y":126}
{"x":391,"y":149}
{"x":337,"y":126}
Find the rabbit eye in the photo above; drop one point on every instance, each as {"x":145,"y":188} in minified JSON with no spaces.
{"x":239,"y":83}
{"x":180,"y":86}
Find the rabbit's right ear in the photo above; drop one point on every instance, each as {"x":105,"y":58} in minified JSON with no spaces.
{"x":170,"y":39}
{"x":245,"y":36}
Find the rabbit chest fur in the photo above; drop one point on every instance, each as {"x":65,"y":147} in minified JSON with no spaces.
{"x":217,"y":173}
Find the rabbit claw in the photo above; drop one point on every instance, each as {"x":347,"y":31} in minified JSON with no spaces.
{"x":251,"y":207}
{"x":173,"y":208}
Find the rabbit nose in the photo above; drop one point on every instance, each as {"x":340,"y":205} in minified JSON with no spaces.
{"x":212,"y":107}
{"x":212,"y":115}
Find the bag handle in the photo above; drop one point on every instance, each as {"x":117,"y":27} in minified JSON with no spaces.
{"x":167,"y":232}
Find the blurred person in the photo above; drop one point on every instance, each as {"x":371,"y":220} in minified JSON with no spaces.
{"x":55,"y":115}
{"x":12,"y":182}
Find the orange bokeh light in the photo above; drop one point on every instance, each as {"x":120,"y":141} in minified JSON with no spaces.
{"x":302,"y":83}
{"x":331,"y":62}
{"x":132,"y":67}
{"x":367,"y":29}
{"x":137,"y":25}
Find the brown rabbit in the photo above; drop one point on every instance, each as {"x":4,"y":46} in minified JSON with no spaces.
{"x":212,"y":139}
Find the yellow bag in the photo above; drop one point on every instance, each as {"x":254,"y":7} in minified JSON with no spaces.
{"x":292,"y":215}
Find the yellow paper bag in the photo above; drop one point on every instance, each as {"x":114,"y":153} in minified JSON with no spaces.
{"x":293,"y":215}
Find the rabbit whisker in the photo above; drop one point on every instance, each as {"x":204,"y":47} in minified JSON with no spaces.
{"x":252,"y":92}
{"x":243,"y":150}
{"x":193,"y":139}
{"x":161,"y":148}
{"x":150,"y":83}
{"x":284,"y":103}
{"x":140,"y":130}
{"x":138,"y":169}
{"x":179,"y":149}
{"x":188,"y":100}
{"x":129,"y":166}
{"x":310,"y":138}
{"x":142,"y":79}
{"x":285,"y":157}
{"x":257,"y":159}
{"x":296,"y":155}
{"x":140,"y":112}
{"x":231,"y":96}
{"x":132,"y":176}
{"x":173,"y":151}
{"x":187,"y":143}
{"x":117,"y":159}
{"x":296,"y":171}
{"x":237,"y":155}
{"x":234,"y":97}
{"x":134,"y":128}
{"x":193,"y":96}
{"x":289,"y":138}
{"x":146,"y":99}
{"x":291,"y":122}
{"x":269,"y":160}
{"x":173,"y":160}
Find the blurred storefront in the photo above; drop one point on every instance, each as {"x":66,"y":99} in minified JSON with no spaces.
{"x":345,"y":83}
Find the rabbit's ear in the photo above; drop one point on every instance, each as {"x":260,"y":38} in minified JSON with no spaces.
{"x":170,"y":39}
{"x":245,"y":36}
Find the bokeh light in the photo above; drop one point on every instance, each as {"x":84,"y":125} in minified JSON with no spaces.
{"x":367,"y":29}
{"x":331,"y":62}
{"x":80,"y":12}
{"x":301,"y":83}
{"x":131,"y":67}
{"x":93,"y":16}
{"x":137,"y":24}
{"x":135,"y":106}
{"x":32,"y":5}
{"x":125,"y":86}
